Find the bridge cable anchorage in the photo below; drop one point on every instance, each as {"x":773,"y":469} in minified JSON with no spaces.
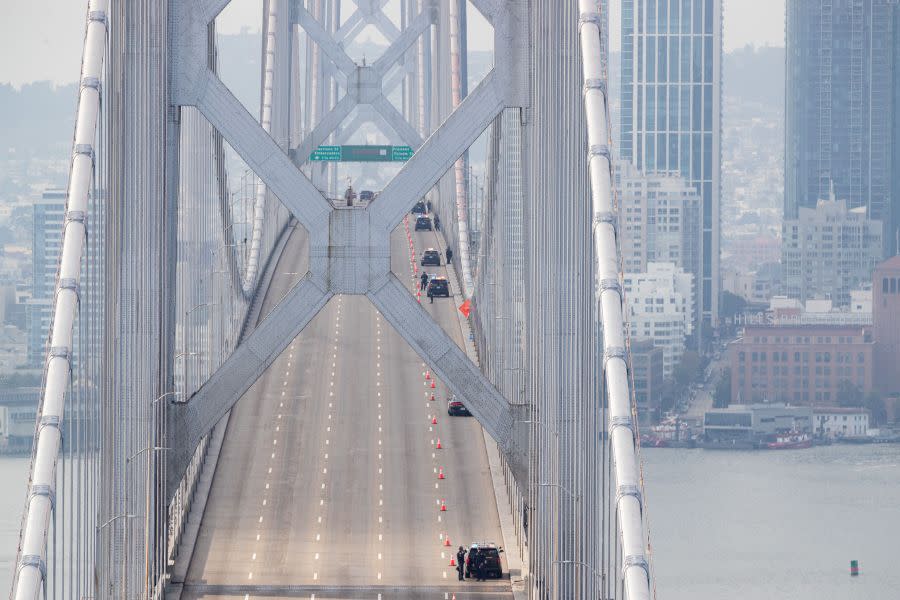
{"x":631,"y":542}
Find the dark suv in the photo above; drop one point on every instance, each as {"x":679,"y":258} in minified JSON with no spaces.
{"x":367,"y":195}
{"x":419,"y":208}
{"x":455,"y":408}
{"x":423,"y":223}
{"x":439,"y":286}
{"x":431,"y":258}
{"x":492,"y":565}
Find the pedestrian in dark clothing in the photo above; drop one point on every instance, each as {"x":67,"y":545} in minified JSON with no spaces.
{"x":460,"y":561}
{"x":424,"y":279}
{"x":430,"y":295}
{"x":479,"y":566}
{"x":437,"y":223}
{"x":449,"y":255}
{"x":428,"y":204}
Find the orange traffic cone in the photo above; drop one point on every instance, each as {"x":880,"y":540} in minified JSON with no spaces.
{"x":447,"y":541}
{"x":443,"y":506}
{"x":432,"y":384}
{"x":427,"y":375}
{"x":439,"y":447}
{"x":453,"y":564}
{"x":432,"y":397}
{"x":434,"y":420}
{"x":441,"y":473}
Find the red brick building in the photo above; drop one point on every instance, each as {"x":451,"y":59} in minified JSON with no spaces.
{"x":800,"y":364}
{"x":886,"y":319}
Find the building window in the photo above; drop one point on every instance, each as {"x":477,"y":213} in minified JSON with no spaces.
{"x":884,"y":286}
{"x":893,"y":285}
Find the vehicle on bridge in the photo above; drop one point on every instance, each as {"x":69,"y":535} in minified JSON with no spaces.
{"x":438,"y":286}
{"x":423,"y":223}
{"x":455,"y":408}
{"x":367,"y":195}
{"x":419,"y":208}
{"x":492,"y":565}
{"x":431,"y":258}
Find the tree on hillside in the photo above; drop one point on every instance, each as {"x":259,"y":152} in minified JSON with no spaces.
{"x":722,"y":397}
{"x":848,"y":394}
{"x":874,"y":403}
{"x":731,"y":305}
{"x":686,"y":370}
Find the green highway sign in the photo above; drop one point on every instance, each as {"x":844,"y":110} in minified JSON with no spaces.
{"x":362,"y":153}
{"x":401,"y":153}
{"x":329,"y":153}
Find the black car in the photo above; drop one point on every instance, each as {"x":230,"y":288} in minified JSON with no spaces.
{"x":368,"y":195}
{"x":492,"y":565}
{"x":423,"y":223}
{"x":431,"y":258}
{"x":439,"y":286}
{"x":419,"y":208}
{"x":455,"y":408}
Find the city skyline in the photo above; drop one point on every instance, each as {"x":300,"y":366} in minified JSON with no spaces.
{"x":54,"y":52}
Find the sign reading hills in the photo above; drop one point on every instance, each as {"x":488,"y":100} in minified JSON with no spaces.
{"x":361,"y":154}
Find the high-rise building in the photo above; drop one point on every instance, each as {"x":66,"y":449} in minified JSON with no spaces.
{"x":828,"y":251}
{"x":841,"y":114}
{"x":886,"y":317}
{"x":660,"y":304}
{"x":659,"y":219}
{"x":46,"y":244}
{"x":49,"y":213}
{"x":670,"y":111}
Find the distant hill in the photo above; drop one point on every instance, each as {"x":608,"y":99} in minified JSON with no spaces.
{"x":37,"y":120}
{"x":755,"y":75}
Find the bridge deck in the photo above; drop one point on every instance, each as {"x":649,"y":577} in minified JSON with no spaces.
{"x":327,"y":483}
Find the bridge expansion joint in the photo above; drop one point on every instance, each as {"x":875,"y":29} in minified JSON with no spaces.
{"x":624,"y":421}
{"x":636,"y":560}
{"x":607,"y":217}
{"x":625,"y":490}
{"x":33,"y":560}
{"x":40,"y":489}
{"x":590,"y":17}
{"x":613,"y":352}
{"x":69,"y":283}
{"x":595,"y":84}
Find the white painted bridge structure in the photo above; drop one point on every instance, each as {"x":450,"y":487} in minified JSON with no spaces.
{"x":246,"y":390}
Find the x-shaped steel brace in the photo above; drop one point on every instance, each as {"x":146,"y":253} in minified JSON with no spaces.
{"x":349,"y":248}
{"x":365,"y":84}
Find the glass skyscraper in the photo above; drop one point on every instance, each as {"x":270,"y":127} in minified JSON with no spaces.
{"x":671,"y":113}
{"x":841,"y":107}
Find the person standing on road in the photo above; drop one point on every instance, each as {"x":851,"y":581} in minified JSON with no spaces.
{"x":479,"y":566}
{"x":449,"y":254}
{"x":430,"y":293}
{"x":424,"y":279}
{"x":460,"y":561}
{"x":437,"y":223}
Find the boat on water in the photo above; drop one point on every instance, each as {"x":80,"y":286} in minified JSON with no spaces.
{"x":791,"y":440}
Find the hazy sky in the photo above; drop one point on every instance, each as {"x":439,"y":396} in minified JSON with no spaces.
{"x":52,"y":51}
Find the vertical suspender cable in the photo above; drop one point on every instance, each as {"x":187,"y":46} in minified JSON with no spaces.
{"x":30,"y":572}
{"x":629,"y":505}
{"x":459,"y":167}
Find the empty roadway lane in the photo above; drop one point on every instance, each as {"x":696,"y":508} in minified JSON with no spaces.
{"x":328,"y":481}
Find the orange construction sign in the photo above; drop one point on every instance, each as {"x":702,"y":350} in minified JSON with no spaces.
{"x":465,"y":308}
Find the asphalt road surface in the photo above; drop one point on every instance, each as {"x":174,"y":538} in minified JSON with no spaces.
{"x":328,"y":481}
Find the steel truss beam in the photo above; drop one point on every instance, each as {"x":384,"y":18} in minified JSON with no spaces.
{"x":349,"y":248}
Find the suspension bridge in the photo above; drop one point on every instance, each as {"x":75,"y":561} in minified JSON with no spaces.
{"x":247,"y":378}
